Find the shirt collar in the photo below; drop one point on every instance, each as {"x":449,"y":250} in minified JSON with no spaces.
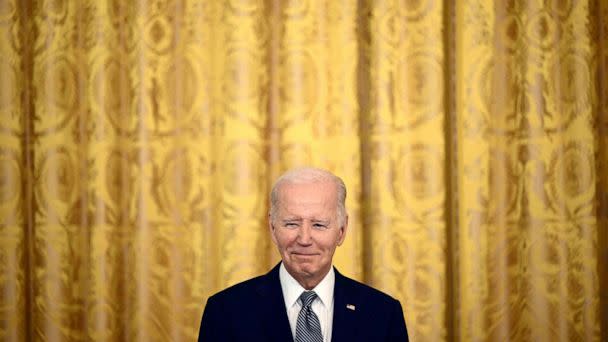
{"x":292,"y":289}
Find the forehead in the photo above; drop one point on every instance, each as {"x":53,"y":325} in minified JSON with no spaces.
{"x":320,"y":193}
{"x":320,"y":188}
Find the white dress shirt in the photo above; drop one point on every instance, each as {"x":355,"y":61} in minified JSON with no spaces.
{"x":323,"y":305}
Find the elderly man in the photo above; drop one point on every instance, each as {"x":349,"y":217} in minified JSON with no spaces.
{"x":304,"y":298}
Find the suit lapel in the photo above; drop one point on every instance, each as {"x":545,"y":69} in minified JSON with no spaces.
{"x":345,"y":319}
{"x":274,"y":314}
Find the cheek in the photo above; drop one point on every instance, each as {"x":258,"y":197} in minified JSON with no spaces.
{"x":284,"y":240}
{"x":330,"y":244}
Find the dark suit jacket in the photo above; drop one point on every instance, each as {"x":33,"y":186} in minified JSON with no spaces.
{"x":254,"y":310}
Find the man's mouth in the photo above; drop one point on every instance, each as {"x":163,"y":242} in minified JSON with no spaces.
{"x":303,"y":254}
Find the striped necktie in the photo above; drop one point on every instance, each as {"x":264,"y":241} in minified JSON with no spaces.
{"x":308,"y":328}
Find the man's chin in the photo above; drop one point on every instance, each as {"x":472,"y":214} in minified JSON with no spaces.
{"x":305,"y":269}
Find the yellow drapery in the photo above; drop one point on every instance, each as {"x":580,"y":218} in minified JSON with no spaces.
{"x":138,"y":141}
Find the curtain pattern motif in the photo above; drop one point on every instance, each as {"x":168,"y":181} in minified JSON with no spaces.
{"x":404,"y":165}
{"x":138,"y":141}
{"x":527,"y":110}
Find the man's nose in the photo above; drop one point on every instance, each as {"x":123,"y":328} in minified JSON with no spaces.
{"x":304,"y":234}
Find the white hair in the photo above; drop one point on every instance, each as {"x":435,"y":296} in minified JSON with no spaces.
{"x":309,"y":175}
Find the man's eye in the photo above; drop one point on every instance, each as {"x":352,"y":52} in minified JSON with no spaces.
{"x":291,"y":225}
{"x":319,"y":226}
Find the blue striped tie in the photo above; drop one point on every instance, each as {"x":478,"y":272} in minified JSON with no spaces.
{"x":308,"y":328}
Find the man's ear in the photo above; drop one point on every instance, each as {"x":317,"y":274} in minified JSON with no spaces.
{"x":343,"y":230}
{"x":272,"y":229}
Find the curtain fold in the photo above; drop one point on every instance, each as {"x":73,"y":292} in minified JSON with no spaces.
{"x":139,"y":141}
{"x":526,"y":156}
{"x":405,"y":161}
{"x":600,"y":35}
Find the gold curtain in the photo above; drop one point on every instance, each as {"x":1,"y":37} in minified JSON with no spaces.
{"x":138,"y":141}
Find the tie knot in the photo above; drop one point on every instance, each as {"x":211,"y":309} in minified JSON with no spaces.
{"x":307,"y":297}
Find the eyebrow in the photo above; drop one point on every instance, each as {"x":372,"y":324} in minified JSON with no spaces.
{"x":299,"y":219}
{"x":292,"y":219}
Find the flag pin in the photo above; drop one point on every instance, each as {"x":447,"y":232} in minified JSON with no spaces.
{"x":350,"y":307}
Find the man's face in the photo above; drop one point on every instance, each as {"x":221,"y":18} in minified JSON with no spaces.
{"x":306,"y":229}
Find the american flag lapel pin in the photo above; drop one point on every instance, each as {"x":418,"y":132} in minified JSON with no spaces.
{"x":350,"y":307}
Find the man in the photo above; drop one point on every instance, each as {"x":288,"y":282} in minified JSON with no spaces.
{"x":304,"y":298}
